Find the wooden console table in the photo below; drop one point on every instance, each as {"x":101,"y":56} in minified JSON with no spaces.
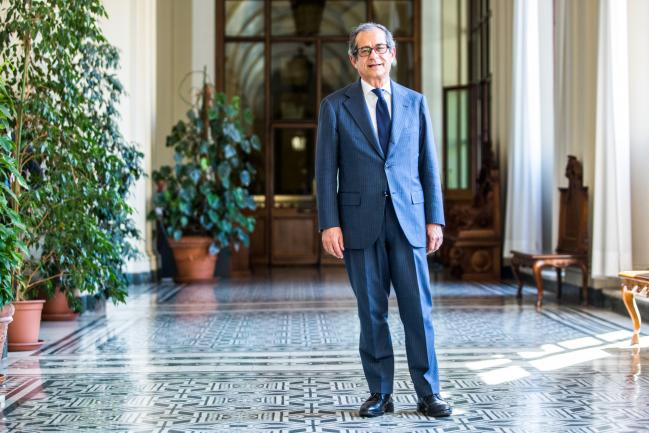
{"x":634,"y":283}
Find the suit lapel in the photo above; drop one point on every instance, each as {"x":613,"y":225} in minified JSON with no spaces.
{"x":400,"y":104}
{"x":358,"y":109}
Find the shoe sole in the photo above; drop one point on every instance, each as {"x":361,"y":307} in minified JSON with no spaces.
{"x":389,"y":408}
{"x":441,"y":414}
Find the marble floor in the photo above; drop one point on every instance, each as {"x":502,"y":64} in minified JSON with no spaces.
{"x":278,"y":353}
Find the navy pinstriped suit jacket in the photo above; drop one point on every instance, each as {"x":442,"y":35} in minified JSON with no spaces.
{"x":353,"y":174}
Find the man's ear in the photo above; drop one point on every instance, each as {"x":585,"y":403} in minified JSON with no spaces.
{"x":352,"y":59}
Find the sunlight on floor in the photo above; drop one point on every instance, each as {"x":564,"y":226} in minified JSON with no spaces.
{"x":551,"y":357}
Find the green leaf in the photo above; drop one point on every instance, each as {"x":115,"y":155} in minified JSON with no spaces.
{"x":213,"y":201}
{"x":195,"y":175}
{"x":231,"y":131}
{"x":244,"y":176}
{"x":229,"y":151}
{"x":224,"y":171}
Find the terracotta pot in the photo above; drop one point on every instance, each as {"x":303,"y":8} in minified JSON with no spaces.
{"x":57,"y":309}
{"x":23,"y":331}
{"x":194,"y":263}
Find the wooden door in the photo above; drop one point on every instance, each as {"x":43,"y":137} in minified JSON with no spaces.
{"x":282,"y":57}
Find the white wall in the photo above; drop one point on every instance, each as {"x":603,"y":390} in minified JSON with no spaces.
{"x":186,"y":43}
{"x":174,"y":62}
{"x":131,"y":27}
{"x":639,"y":129}
{"x":203,"y":40}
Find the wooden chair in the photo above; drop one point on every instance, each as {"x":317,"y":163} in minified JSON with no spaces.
{"x":634,"y":283}
{"x":572,"y":249}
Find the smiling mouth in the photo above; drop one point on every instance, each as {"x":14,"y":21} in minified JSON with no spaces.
{"x":375,"y":65}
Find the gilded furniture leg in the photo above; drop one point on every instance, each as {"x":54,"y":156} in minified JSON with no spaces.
{"x":559,"y":283}
{"x":516,"y":271}
{"x":631,"y":306}
{"x":536,"y":268}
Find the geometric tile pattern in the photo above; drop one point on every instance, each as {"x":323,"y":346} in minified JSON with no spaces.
{"x":278,"y":353}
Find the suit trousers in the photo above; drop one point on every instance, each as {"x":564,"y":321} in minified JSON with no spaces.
{"x":392,"y":259}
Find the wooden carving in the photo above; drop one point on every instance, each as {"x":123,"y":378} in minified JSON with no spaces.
{"x":473,"y":245}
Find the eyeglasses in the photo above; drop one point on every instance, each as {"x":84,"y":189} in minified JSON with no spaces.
{"x":366,"y":51}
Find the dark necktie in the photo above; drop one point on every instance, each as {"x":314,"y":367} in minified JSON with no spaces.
{"x":382,"y":121}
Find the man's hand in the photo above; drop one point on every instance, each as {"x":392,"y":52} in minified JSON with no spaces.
{"x":434,"y":237}
{"x":332,"y":241}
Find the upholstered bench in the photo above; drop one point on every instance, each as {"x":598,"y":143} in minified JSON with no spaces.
{"x":634,"y":283}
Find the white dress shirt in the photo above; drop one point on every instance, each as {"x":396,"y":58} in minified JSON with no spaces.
{"x":371,"y":99}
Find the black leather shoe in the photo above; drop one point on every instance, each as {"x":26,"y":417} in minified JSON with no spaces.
{"x":433,"y":405}
{"x":377,"y":405}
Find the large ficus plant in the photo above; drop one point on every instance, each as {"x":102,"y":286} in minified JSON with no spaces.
{"x":206,"y":191}
{"x":11,"y":227}
{"x":67,"y":145}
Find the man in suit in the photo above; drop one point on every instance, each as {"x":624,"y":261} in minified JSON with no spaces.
{"x":380,"y":208}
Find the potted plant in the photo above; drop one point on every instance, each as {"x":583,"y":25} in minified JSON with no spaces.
{"x":11,"y":227}
{"x":200,"y":201}
{"x":77,"y":167}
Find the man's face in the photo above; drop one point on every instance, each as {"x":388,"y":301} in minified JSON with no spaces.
{"x":375,"y":66}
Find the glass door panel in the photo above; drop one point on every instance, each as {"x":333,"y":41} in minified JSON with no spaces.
{"x":315,"y":17}
{"x":457,"y":151}
{"x":294,"y":161}
{"x":244,"y":18}
{"x":396,"y":15}
{"x":293,"y":81}
{"x":403,"y":70}
{"x":341,"y":16}
{"x":337,"y":71}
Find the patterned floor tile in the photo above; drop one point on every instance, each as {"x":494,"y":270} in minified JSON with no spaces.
{"x":278,"y":353}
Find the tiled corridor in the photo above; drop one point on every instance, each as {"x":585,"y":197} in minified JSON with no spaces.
{"x":278,"y":353}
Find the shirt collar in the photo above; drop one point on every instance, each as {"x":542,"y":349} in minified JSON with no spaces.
{"x":367,"y":88}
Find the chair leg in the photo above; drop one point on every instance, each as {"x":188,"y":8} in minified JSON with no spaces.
{"x":629,"y":302}
{"x":516,"y":271}
{"x":536,"y":269}
{"x":559,"y":283}
{"x":583,"y":296}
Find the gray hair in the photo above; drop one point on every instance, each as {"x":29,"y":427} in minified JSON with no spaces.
{"x":365,"y":27}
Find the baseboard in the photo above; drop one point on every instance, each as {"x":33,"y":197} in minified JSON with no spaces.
{"x":142,"y":277}
{"x":94,"y":303}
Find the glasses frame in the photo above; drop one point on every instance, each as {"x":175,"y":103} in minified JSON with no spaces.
{"x":378,"y":48}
